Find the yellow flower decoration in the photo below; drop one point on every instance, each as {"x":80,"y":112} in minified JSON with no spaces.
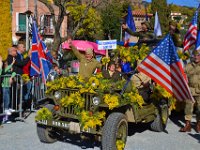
{"x":89,"y":120}
{"x":111,"y":100}
{"x":105,"y":60}
{"x":183,"y":55}
{"x":74,"y":99}
{"x":25,"y":78}
{"x":132,"y":54}
{"x":43,"y":114}
{"x":120,"y":145}
{"x":94,"y":82}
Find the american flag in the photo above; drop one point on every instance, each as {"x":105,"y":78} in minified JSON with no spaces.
{"x":40,"y":56}
{"x":191,"y":35}
{"x":164,"y":67}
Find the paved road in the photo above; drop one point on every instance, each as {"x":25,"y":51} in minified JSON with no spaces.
{"x":23,"y":136}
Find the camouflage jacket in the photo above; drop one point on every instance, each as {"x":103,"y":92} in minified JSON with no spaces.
{"x":177,"y":40}
{"x":193,"y":73}
{"x":87,"y":67}
{"x":147,"y":37}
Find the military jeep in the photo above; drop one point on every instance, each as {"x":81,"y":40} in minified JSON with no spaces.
{"x":111,"y":129}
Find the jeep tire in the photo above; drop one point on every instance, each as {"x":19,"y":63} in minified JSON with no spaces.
{"x":45,"y":133}
{"x":115,"y":128}
{"x":160,"y":122}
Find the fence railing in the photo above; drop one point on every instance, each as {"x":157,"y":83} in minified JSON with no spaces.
{"x":38,"y":90}
{"x":18,"y":91}
{"x":15,"y":93}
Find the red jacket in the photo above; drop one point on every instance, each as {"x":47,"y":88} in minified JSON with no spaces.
{"x":26,"y":68}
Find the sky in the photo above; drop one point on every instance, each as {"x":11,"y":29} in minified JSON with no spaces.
{"x":190,"y":3}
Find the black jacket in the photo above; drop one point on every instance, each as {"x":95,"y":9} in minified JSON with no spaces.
{"x":19,"y":63}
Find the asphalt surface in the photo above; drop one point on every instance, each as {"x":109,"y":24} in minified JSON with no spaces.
{"x":22,"y":136}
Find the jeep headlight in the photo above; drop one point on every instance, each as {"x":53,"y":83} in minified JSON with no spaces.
{"x":57,"y":95}
{"x":96,"y":100}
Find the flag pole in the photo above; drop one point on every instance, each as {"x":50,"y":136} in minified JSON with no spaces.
{"x":27,"y":34}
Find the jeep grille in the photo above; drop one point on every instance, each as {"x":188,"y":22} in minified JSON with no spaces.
{"x":70,"y":110}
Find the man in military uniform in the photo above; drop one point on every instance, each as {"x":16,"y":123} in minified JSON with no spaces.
{"x":175,"y":34}
{"x":145,"y":36}
{"x":193,"y":72}
{"x":142,"y":83}
{"x":88,"y":63}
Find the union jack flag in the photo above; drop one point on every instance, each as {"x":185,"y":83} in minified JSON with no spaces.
{"x":164,"y":67}
{"x":191,"y":35}
{"x":40,"y":56}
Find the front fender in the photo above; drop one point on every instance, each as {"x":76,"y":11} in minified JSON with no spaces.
{"x":44,"y":101}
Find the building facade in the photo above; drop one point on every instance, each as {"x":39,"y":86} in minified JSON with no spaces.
{"x":140,"y":16}
{"x":44,"y":19}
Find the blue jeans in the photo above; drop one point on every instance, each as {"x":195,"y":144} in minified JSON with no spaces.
{"x":27,"y":91}
{"x":6,"y":97}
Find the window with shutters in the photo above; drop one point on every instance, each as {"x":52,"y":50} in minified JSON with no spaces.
{"x":46,"y":22}
{"x":21,"y":22}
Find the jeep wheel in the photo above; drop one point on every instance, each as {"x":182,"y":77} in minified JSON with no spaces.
{"x":160,"y":122}
{"x":45,"y":133}
{"x":115,"y":129}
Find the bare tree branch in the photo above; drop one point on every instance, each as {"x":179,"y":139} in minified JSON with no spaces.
{"x":48,"y":5}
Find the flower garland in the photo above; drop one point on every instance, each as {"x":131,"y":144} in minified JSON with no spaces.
{"x":95,"y":83}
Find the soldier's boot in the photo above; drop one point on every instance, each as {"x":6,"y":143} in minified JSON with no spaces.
{"x":198,"y":127}
{"x":187,"y":127}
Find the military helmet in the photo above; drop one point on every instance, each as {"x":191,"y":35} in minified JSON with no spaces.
{"x":196,"y":52}
{"x":147,"y":24}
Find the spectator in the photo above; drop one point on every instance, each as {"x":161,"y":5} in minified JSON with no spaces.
{"x":20,"y":61}
{"x":112,"y":73}
{"x":58,"y":59}
{"x":1,"y":64}
{"x":6,"y":84}
{"x":59,"y":71}
{"x":27,"y":95}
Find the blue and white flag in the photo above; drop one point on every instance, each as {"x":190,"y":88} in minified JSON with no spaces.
{"x":157,"y":27}
{"x":198,"y":41}
{"x":130,"y":23}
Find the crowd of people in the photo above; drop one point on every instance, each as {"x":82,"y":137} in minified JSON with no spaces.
{"x":17,"y":64}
